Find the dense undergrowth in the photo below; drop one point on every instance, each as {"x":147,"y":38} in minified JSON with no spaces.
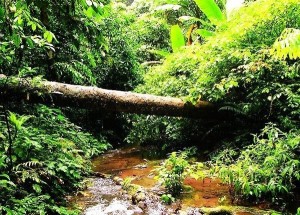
{"x":266,"y":169}
{"x":238,"y":70}
{"x":43,"y":157}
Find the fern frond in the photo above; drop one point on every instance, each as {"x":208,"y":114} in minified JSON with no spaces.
{"x":29,"y":165}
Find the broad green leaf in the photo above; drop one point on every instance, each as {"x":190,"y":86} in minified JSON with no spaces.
{"x":37,"y":188}
{"x":177,"y":38}
{"x":162,"y":53}
{"x":17,"y":122}
{"x":16,"y":39}
{"x":211,"y":10}
{"x":20,"y":20}
{"x":2,"y":13}
{"x":33,"y":26}
{"x":29,"y":42}
{"x":48,"y":36}
{"x":60,"y":117}
{"x":5,"y":176}
{"x":204,"y":33}
{"x":13,"y":118}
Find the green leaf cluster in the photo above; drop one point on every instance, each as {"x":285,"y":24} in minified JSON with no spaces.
{"x":268,"y":168}
{"x":173,"y":172}
{"x":50,"y":157}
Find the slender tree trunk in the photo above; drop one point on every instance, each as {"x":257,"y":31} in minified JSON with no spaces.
{"x":61,"y":94}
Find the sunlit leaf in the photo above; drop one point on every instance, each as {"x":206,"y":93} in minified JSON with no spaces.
{"x":48,"y":36}
{"x":33,"y":26}
{"x":205,"y":33}
{"x":211,"y":10}
{"x":177,"y":38}
{"x":287,"y":45}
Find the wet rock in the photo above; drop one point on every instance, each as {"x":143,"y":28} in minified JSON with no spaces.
{"x":138,"y":211}
{"x":194,"y":211}
{"x":118,"y":180}
{"x":158,"y":190}
{"x":101,"y":175}
{"x":142,"y":205}
{"x":129,"y":197}
{"x":176,"y":206}
{"x":139,"y":196}
{"x":141,"y":166}
{"x":83,"y":194}
{"x":116,"y":206}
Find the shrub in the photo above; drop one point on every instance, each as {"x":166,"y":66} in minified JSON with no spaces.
{"x":173,"y":172}
{"x":43,"y":157}
{"x":268,"y":168}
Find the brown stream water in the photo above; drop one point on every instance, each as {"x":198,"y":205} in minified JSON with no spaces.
{"x":104,"y":196}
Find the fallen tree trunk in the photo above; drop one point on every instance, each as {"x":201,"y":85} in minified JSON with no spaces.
{"x":61,"y":94}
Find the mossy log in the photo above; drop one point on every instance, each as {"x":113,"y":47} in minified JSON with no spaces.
{"x":60,"y":94}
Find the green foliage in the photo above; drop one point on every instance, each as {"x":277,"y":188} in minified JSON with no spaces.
{"x":250,"y":71}
{"x":249,"y":67}
{"x":17,"y":122}
{"x":235,"y":66}
{"x":173,"y":172}
{"x":129,"y":187}
{"x":150,"y":36}
{"x":177,"y":38}
{"x":50,"y":158}
{"x":32,"y":34}
{"x":118,"y":68}
{"x":80,"y":42}
{"x":167,"y":198}
{"x":211,"y":10}
{"x":288,"y":44}
{"x":126,"y":183}
{"x":166,"y":132}
{"x":204,"y":33}
{"x":268,"y":167}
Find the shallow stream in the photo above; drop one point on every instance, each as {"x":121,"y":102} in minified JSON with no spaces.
{"x":105,"y":196}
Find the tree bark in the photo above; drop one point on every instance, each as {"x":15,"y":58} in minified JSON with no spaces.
{"x":61,"y":94}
